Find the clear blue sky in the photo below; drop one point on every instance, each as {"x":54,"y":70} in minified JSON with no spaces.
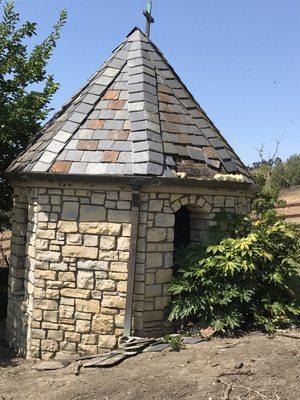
{"x":240,"y":58}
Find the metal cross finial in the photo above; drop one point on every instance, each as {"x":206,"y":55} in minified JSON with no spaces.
{"x":149,"y":18}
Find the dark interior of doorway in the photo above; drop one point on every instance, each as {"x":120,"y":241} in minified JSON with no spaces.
{"x":182,"y":230}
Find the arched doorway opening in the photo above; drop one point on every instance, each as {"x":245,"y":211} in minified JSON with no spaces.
{"x":182,"y":230}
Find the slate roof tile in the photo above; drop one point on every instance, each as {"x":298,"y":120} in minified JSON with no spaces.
{"x":118,"y":135}
{"x":111,"y":95}
{"x":92,"y":156}
{"x":105,"y":144}
{"x":133,"y":116}
{"x":110,"y":156}
{"x":116,"y":104}
{"x":96,"y":168}
{"x":96,"y":124}
{"x":78,"y":168}
{"x":61,"y":167}
{"x":87,"y":144}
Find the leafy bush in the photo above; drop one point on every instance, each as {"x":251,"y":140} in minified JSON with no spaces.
{"x":244,"y":281}
{"x":174,"y":341}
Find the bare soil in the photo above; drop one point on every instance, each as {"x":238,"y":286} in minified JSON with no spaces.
{"x":203,"y":371}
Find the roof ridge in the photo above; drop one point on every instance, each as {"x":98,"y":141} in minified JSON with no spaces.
{"x":147,"y":149}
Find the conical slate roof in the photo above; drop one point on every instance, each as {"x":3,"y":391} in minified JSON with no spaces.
{"x":134,"y":117}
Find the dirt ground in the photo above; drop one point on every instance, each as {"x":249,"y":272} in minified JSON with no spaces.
{"x":271,"y":372}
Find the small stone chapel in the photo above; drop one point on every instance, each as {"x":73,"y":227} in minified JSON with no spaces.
{"x":128,"y":171}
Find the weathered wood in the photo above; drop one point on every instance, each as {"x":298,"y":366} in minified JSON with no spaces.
{"x":132,"y":262}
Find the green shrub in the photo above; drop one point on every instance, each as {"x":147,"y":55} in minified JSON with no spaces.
{"x":174,"y":341}
{"x":244,"y":281}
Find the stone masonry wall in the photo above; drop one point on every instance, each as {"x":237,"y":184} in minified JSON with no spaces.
{"x":203,"y":206}
{"x":73,"y":281}
{"x":17,"y":294}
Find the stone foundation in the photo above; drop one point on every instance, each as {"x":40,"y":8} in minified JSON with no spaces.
{"x":70,"y":252}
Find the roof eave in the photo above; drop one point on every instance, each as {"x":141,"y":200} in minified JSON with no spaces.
{"x":137,"y":180}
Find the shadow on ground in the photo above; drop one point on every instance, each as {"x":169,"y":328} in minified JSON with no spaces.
{"x":8,"y":358}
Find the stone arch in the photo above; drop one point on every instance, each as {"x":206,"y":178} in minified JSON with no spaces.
{"x":200,"y":214}
{"x":190,"y":200}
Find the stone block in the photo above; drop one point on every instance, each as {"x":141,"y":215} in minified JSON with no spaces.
{"x":68,"y":347}
{"x":50,"y":316}
{"x":51,"y":256}
{"x":123,"y":255}
{"x":52,"y":294}
{"x":70,"y":211}
{"x":76,"y":293}
{"x":55,"y":335}
{"x":45,"y":274}
{"x":41,"y":244}
{"x":49,"y":345}
{"x":156,"y":205}
{"x":85,"y":280}
{"x":108,"y":255}
{"x":66,"y":311}
{"x":107,"y":342}
{"x":46,"y":304}
{"x":118,"y":276}
{"x":151,"y":316}
{"x":100,"y":228}
{"x":118,"y":266}
{"x":123,"y":244}
{"x":113,"y":302}
{"x":67,"y":226}
{"x":164,"y":220}
{"x":153,"y":290}
{"x":66,"y":276}
{"x":164,"y":275}
{"x":105,"y":285}
{"x":87,"y":349}
{"x":88,"y":306}
{"x":107,"y":242}
{"x":62,"y":266}
{"x":67,"y":301}
{"x":37,"y":315}
{"x":103,"y":324}
{"x":93,"y":265}
{"x":154,"y":260}
{"x":74,"y":238}
{"x":45,"y":234}
{"x":92,"y":213}
{"x":119,"y":216}
{"x":126,"y":230}
{"x":123,"y":205}
{"x":73,"y":336}
{"x":79,"y":252}
{"x":230,"y":201}
{"x":89,"y":339}
{"x":91,"y":240}
{"x":119,"y":321}
{"x":122,"y":287}
{"x":150,"y":278}
{"x":156,"y":234}
{"x":84,"y":316}
{"x":175,"y":197}
{"x":161,"y":302}
{"x":38,"y":334}
{"x":98,"y":198}
{"x":83,"y":326}
{"x":219,"y":201}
